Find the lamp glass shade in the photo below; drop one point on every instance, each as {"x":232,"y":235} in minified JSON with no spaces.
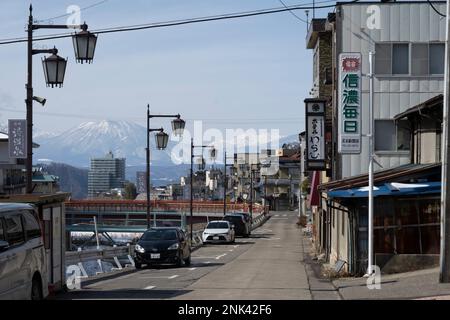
{"x":54,"y":70}
{"x":178,"y":126}
{"x":162,"y":139}
{"x":213,"y":153}
{"x":84,"y":44}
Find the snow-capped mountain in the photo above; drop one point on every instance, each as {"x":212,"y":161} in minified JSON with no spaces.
{"x":78,"y":145}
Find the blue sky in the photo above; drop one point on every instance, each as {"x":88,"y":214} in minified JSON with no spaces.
{"x":244,"y":73}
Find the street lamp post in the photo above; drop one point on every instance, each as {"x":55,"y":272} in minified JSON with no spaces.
{"x":54,"y":71}
{"x":191,"y":202}
{"x":162,"y":139}
{"x":225,"y":182}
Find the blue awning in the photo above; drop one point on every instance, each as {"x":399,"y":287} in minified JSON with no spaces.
{"x":389,"y":189}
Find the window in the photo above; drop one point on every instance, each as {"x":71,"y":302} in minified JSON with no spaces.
{"x":392,"y":136}
{"x":417,"y":59}
{"x":383,"y":58}
{"x":437,"y":58}
{"x":2,"y":234}
{"x":14,"y":230}
{"x":32,"y":227}
{"x":400,"y":58}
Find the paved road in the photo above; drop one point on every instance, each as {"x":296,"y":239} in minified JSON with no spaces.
{"x":268,"y":265}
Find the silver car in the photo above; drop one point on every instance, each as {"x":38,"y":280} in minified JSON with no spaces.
{"x":23,"y":271}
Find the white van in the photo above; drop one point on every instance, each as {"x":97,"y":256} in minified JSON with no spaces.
{"x":23,"y":271}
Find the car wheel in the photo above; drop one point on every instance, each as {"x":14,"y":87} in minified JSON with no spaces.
{"x":138,"y":265}
{"x":36,"y":289}
{"x":187,"y":262}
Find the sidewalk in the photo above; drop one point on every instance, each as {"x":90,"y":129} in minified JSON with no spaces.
{"x":421,"y":284}
{"x":409,"y":285}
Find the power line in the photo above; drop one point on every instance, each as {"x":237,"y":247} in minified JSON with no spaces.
{"x":292,"y":13}
{"x":436,"y":10}
{"x":68,"y":14}
{"x":179,"y":22}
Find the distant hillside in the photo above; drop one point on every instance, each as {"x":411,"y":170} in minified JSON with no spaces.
{"x":71,"y":179}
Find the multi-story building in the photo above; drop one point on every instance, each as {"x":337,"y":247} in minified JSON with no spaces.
{"x":407,"y":39}
{"x":105,"y":174}
{"x":12,"y":176}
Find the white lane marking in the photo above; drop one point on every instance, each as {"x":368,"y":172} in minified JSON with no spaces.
{"x":149,"y":287}
{"x":284,"y":215}
{"x":204,"y":257}
{"x":236,"y":246}
{"x":222,"y":255}
{"x":207,"y":262}
{"x":192,"y":269}
{"x":231,"y":250}
{"x":166,"y":277}
{"x":277,"y":215}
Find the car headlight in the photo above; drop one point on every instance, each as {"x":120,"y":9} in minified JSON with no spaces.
{"x":139,"y":249}
{"x":175,"y":246}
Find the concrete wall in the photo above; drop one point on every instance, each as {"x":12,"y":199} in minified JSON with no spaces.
{"x":400,"y":22}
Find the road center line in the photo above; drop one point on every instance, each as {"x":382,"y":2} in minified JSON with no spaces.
{"x":192,"y":269}
{"x":173,"y":277}
{"x":222,"y":255}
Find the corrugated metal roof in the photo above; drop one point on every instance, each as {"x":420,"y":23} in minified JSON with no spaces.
{"x":430,"y":103}
{"x":381,"y":176}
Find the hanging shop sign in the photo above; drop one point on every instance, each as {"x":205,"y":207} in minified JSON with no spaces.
{"x":315,"y":134}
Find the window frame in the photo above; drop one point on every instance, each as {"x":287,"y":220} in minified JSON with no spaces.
{"x":410,"y":47}
{"x":18,"y":214}
{"x":396,"y":127}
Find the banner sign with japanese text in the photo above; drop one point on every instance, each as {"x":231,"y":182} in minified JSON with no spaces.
{"x":315,"y":134}
{"x":17,"y":138}
{"x":349,"y":125}
{"x":141,"y":182}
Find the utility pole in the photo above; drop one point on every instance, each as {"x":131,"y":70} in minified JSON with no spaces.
{"x":371,"y":160}
{"x":225,"y":182}
{"x":444,"y":275}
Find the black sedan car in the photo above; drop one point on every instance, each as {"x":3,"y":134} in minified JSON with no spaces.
{"x":162,"y":245}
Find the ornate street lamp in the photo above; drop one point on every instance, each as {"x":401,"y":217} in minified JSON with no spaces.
{"x":84,"y":44}
{"x":54,"y":70}
{"x":162,"y":139}
{"x":213,"y":153}
{"x":178,"y":126}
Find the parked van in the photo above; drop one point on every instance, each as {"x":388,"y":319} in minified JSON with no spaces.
{"x":241,"y":222}
{"x":23,"y":271}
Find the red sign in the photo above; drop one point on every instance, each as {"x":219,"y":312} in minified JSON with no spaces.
{"x":350,"y":64}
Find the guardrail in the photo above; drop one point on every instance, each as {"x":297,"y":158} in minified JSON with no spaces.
{"x":259,"y":220}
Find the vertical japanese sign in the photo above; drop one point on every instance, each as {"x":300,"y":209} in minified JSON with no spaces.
{"x":17,"y":138}
{"x":349,"y":126}
{"x":141,"y":182}
{"x":315,"y":134}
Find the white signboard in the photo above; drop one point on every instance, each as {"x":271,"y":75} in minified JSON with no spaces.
{"x":349,"y":126}
{"x":17,"y":138}
{"x":315,"y":134}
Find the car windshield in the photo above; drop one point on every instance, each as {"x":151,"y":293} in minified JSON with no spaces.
{"x":233,"y":218}
{"x":159,"y":235}
{"x":217,"y":225}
